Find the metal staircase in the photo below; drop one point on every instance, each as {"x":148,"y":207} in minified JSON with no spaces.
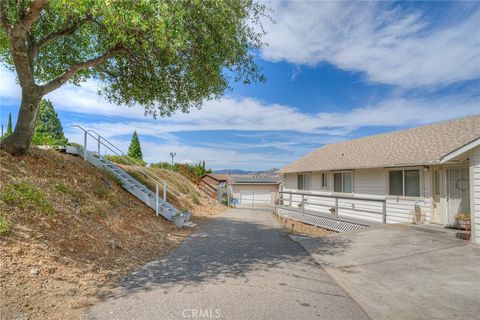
{"x":139,"y":190}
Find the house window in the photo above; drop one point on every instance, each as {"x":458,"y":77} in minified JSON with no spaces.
{"x":303,"y":181}
{"x":324,"y":180}
{"x":343,"y":182}
{"x":404,"y":183}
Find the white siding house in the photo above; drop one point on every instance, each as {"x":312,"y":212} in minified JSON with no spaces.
{"x":427,"y":175}
{"x":475,"y":199}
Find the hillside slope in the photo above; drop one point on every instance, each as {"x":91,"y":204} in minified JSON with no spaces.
{"x":191,"y":197}
{"x":68,"y":231}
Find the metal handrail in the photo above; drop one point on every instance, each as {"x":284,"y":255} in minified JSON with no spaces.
{"x":150,"y":175}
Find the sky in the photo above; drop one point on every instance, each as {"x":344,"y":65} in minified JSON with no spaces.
{"x":335,"y":71}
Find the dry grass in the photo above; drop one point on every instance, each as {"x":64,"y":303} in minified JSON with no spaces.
{"x":67,"y":232}
{"x":190,"y":197}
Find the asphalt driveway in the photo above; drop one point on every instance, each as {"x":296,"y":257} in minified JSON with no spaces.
{"x":242,"y":265}
{"x":403,"y":272}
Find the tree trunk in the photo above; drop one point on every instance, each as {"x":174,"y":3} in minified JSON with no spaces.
{"x":19,"y":141}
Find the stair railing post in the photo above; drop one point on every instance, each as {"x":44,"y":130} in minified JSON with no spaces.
{"x":164,"y":191}
{"x":156,"y":198}
{"x":384,"y":212}
{"x":303,"y":203}
{"x":85,"y":145}
{"x":98,"y":143}
{"x":336,"y":207}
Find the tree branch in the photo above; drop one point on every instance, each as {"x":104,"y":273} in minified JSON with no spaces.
{"x":70,"y":72}
{"x":32,"y":15}
{"x":68,"y":30}
{"x":3,"y":18}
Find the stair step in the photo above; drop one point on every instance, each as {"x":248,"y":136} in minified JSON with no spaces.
{"x":132,"y":185}
{"x":189,"y":224}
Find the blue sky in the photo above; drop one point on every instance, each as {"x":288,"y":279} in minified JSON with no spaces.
{"x":335,"y":71}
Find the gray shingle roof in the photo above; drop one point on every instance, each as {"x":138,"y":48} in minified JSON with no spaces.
{"x":417,"y":146}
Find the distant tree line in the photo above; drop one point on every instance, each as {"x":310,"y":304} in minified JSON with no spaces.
{"x":198,"y":168}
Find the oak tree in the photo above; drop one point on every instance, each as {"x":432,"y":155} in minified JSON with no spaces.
{"x":164,"y":55}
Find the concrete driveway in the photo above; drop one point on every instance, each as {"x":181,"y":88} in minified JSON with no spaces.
{"x":402,"y":272}
{"x":242,"y":265}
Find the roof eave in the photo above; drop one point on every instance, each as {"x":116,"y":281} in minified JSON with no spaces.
{"x":428,"y":163}
{"x":458,"y":152}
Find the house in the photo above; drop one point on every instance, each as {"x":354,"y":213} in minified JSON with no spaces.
{"x":216,"y":180}
{"x":426,"y":175}
{"x":255,"y":192}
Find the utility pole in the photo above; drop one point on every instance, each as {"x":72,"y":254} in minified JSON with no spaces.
{"x":172,"y":154}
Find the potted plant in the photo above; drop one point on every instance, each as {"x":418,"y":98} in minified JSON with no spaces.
{"x":186,"y":214}
{"x":463,"y":220}
{"x":178,"y":219}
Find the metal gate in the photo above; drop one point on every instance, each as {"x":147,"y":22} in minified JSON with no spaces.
{"x":458,"y":192}
{"x":255,"y":198}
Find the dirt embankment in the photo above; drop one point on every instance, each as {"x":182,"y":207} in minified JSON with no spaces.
{"x":68,"y":232}
{"x":300,"y":228}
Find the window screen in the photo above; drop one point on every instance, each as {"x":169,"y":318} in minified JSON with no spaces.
{"x":337,"y":182}
{"x":303,"y":182}
{"x":347,"y":182}
{"x":412,"y":183}
{"x":396,"y":183}
{"x":300,"y":181}
{"x":306,"y":182}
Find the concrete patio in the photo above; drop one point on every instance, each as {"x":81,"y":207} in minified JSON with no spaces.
{"x":403,"y":272}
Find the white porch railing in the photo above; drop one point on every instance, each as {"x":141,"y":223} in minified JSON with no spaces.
{"x":334,"y":206}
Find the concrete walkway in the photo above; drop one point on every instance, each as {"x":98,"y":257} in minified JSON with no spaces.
{"x":242,"y":265}
{"x":402,"y":272}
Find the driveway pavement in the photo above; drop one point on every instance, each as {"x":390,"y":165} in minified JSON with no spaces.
{"x":402,"y":272}
{"x":242,"y":265}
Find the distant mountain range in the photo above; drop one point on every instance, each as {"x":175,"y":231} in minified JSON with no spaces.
{"x":271,"y":172}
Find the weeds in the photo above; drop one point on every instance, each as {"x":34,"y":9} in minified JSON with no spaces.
{"x":95,"y":210}
{"x":101,"y":191}
{"x":195,"y":199}
{"x":60,"y":187}
{"x":4,"y":226}
{"x":27,"y":196}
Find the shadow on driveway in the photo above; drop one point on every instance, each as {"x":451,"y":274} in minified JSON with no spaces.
{"x":231,"y":246}
{"x":243,"y":265}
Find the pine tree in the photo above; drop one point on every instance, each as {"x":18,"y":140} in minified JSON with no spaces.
{"x":135,"y":150}
{"x":9,"y":125}
{"x":48,"y":128}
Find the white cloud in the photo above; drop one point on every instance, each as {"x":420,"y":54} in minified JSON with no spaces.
{"x":313,"y":129}
{"x":252,"y":115}
{"x":390,"y":45}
